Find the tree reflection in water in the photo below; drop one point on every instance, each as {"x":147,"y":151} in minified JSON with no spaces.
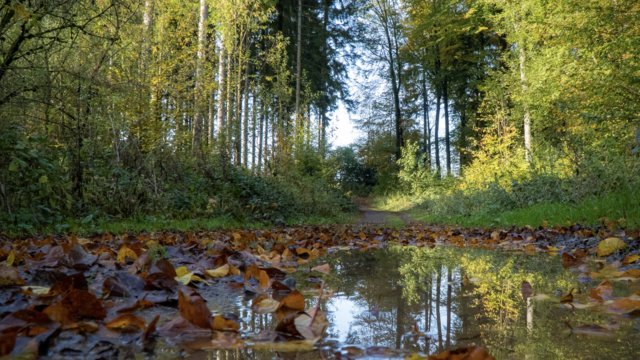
{"x":430,"y":299}
{"x":427,"y":300}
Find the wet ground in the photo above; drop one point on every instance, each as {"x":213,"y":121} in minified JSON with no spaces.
{"x":402,"y":301}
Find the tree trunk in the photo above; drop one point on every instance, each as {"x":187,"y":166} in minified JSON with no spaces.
{"x":245,"y":126}
{"x":447,"y":135}
{"x":449,"y":302}
{"x":425,"y":121}
{"x":299,"y":65}
{"x":438,"y":318}
{"x":222,"y":79}
{"x":199,"y":106}
{"x":436,"y":135}
{"x":527,"y":114}
{"x":254,"y":118}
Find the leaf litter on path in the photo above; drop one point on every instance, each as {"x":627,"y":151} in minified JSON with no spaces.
{"x":101,"y":286}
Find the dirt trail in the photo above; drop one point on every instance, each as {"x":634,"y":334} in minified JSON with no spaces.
{"x":369,"y":216}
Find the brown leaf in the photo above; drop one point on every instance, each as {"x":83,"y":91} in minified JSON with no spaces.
{"x":77,"y":305}
{"x":194,"y":309}
{"x":263,"y":279}
{"x":224,"y":323}
{"x":569,"y":260}
{"x":467,"y":353}
{"x":293,"y":301}
{"x":567,"y":298}
{"x":526,"y":290}
{"x":69,"y":282}
{"x":126,"y":323}
{"x":603,"y":291}
{"x":150,"y":330}
{"x":9,"y":276}
{"x":624,"y":306}
{"x":631,"y":273}
{"x":8,"y":341}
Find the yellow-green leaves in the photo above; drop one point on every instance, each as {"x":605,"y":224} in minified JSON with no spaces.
{"x":609,"y":246}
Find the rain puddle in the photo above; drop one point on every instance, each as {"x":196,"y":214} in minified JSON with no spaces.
{"x":406,"y":300}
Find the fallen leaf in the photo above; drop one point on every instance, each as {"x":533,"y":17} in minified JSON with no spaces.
{"x":623,"y":305}
{"x":631,"y":273}
{"x":9,"y":276}
{"x":603,"y":291}
{"x":8,"y":341}
{"x":224,"y":323}
{"x":221,"y":271}
{"x":37,"y":290}
{"x":569,"y":260}
{"x":126,"y":253}
{"x":148,"y":333}
{"x":184,"y":276}
{"x":265,"y":305}
{"x":293,"y":301}
{"x":193,"y":308}
{"x":567,"y":298}
{"x":311,"y":327}
{"x":630,"y":259}
{"x":11,"y":258}
{"x":263,"y":280}
{"x":324,"y":268}
{"x":126,"y":323}
{"x":610,"y":245}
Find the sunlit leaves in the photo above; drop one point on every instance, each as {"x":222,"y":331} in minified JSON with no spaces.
{"x":126,"y":323}
{"x":222,"y":271}
{"x":610,"y":245}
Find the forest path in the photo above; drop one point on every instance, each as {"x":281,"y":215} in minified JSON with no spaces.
{"x":370,"y":216}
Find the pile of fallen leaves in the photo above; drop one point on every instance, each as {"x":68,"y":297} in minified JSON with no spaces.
{"x":62,"y":293}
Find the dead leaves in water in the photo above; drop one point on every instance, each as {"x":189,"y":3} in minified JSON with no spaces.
{"x":104,"y":284}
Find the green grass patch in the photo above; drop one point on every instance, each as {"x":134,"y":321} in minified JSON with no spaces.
{"x":621,"y":207}
{"x":395,"y":202}
{"x":154,"y":224}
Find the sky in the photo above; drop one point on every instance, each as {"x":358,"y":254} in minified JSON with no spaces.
{"x":343,"y":131}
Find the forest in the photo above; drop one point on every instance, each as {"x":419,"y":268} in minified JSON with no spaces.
{"x":155,"y":154}
{"x":160,"y":109}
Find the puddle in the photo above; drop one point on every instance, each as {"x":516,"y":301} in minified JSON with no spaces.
{"x":400,"y":301}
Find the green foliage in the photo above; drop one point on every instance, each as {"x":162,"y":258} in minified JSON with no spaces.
{"x":415,"y":174}
{"x":349,"y":172}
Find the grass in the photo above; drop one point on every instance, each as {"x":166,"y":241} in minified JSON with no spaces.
{"x":622,"y":207}
{"x":154,"y":224}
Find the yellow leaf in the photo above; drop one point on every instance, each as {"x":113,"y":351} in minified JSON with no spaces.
{"x":182,"y":270}
{"x":629,"y":259}
{"x":609,"y":246}
{"x":184,"y":276}
{"x":125,"y":253}
{"x":222,"y":271}
{"x":11,"y":258}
